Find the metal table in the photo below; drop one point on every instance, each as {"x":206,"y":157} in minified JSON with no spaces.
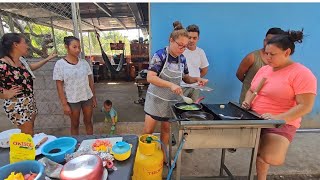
{"x":125,"y":168}
{"x":223,"y":133}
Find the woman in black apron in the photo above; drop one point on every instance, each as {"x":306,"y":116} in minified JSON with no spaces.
{"x":166,"y":71}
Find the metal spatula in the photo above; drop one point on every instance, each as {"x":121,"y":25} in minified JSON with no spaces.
{"x":186,"y":99}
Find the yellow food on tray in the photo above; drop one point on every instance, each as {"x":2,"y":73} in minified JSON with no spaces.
{"x":13,"y":176}
{"x":20,"y":176}
{"x":101,"y":145}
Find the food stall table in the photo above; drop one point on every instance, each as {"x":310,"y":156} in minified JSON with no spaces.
{"x":230,"y":127}
{"x":124,"y":168}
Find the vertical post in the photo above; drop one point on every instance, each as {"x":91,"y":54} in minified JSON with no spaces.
{"x":139,"y":35}
{"x":90,"y":46}
{"x":11,"y":26}
{"x":80,"y":30}
{"x":1,"y":27}
{"x":150,"y":34}
{"x":178,"y":165}
{"x":53,"y":36}
{"x":74,"y":20}
{"x":170,"y":144}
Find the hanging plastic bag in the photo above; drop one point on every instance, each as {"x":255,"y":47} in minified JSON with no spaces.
{"x":52,"y":168}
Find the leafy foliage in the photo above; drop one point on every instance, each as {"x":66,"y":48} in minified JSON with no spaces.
{"x":106,"y":38}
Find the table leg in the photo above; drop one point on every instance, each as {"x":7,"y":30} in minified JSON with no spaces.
{"x":170,"y":146}
{"x":178,"y":165}
{"x":254,"y":156}
{"x":139,"y":66}
{"x":128,"y":71}
{"x":223,"y":154}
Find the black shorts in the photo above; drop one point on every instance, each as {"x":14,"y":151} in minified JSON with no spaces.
{"x":157,"y":118}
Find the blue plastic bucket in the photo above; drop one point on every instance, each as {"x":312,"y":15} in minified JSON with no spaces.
{"x":23,"y":167}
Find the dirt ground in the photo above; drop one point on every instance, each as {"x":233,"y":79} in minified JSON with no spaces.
{"x":277,"y":177}
{"x":288,"y":177}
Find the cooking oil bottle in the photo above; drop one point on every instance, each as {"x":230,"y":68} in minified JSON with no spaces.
{"x":148,"y":164}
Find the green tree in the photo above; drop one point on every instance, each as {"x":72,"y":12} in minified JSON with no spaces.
{"x":36,"y":33}
{"x":106,"y":38}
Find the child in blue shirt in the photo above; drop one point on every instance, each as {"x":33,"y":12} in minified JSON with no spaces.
{"x":110,"y":114}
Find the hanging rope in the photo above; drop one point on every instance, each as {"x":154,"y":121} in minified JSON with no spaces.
{"x":105,"y":57}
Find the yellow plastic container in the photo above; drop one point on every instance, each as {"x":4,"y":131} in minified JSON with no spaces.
{"x":148,"y":164}
{"x":21,"y":148}
{"x":121,"y":151}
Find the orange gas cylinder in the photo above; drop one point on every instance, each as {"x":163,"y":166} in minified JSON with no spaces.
{"x":132,"y":72}
{"x":148,"y":164}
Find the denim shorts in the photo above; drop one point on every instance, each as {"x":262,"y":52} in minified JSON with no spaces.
{"x":81,"y":104}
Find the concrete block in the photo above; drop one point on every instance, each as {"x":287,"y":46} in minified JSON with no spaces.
{"x":41,"y":95}
{"x":38,"y":83}
{"x":55,"y":108}
{"x":43,"y":108}
{"x":49,"y":121}
{"x":49,"y":82}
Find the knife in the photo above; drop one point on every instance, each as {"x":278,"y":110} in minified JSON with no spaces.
{"x":43,"y":140}
{"x":201,"y":88}
{"x":231,"y":117}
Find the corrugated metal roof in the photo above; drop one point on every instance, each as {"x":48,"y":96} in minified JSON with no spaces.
{"x":104,"y":16}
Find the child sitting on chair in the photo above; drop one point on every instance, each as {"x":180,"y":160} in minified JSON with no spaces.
{"x":110,"y":114}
